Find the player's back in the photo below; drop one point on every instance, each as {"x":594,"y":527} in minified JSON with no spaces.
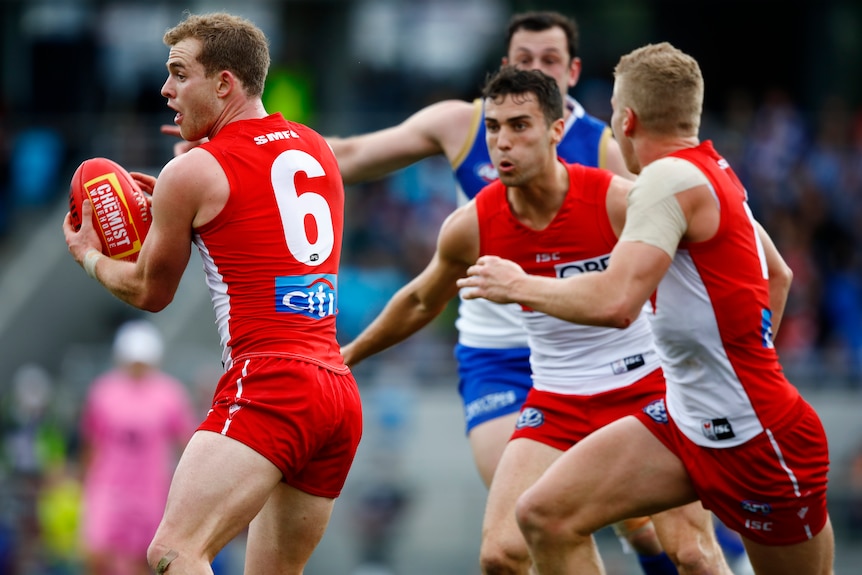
{"x":712,"y":322}
{"x":271,"y":256}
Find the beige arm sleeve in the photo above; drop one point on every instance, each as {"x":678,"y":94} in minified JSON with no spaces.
{"x":653,"y":215}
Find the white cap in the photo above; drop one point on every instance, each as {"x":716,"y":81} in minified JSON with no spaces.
{"x":138,"y":341}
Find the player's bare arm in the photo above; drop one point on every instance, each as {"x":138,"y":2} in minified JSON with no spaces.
{"x":780,"y":277}
{"x":190,"y":190}
{"x":617,"y":201}
{"x":425,"y":296}
{"x":440,"y":128}
{"x":612,"y":298}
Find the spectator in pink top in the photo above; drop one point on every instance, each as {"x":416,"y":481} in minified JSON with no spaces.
{"x":136,"y":420}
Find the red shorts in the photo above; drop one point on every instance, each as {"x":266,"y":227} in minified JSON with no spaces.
{"x":561,"y":421}
{"x":771,"y":489}
{"x":304,"y":418}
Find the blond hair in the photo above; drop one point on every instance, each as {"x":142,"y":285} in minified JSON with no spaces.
{"x":664,"y":88}
{"x":228,"y":42}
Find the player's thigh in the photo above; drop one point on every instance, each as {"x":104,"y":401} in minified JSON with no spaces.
{"x":523,"y":462}
{"x":617,"y":472}
{"x":488,"y":440}
{"x":812,"y":557}
{"x":218,"y":487}
{"x":283,"y":535}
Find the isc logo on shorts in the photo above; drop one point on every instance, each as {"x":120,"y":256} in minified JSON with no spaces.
{"x":657,"y":411}
{"x":717,"y":429}
{"x":530,"y":417}
{"x":311,"y":295}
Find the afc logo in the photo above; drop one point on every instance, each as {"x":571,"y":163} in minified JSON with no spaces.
{"x":310,"y":295}
{"x":756,"y":507}
{"x":569,"y":269}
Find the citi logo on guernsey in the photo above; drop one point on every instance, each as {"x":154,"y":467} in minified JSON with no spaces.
{"x":312,"y":295}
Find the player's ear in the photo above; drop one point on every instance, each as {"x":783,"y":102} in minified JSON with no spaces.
{"x":226,"y":83}
{"x":629,"y":122}
{"x":574,"y":71}
{"x":558,"y":129}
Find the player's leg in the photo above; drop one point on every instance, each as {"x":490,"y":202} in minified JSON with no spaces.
{"x":688,"y":535}
{"x":638,"y":534}
{"x":619,"y":471}
{"x":733,"y":548}
{"x":504,"y":550}
{"x":488,"y":440}
{"x":218,"y":487}
{"x":282,"y":537}
{"x":812,"y":557}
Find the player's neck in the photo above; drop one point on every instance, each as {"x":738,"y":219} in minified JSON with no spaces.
{"x":652,"y":148}
{"x":239,"y":109}
{"x":537,"y":203}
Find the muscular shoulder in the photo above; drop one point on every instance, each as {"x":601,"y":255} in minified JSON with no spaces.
{"x":459,"y":235}
{"x":665,"y":177}
{"x":193,"y":183}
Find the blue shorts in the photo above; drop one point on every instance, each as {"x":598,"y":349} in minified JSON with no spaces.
{"x":493,"y":382}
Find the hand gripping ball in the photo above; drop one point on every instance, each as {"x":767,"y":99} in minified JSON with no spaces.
{"x":121,"y":211}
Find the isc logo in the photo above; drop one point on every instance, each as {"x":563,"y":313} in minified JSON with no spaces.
{"x":544,"y":258}
{"x":717,"y":429}
{"x":309,"y":295}
{"x":755,"y":525}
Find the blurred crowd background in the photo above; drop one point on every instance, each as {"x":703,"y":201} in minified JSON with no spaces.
{"x":81,"y":78}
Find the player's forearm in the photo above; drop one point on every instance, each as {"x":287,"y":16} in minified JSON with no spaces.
{"x":584,"y":299}
{"x":125,"y":281}
{"x":779,"y":287}
{"x":402,"y":317}
{"x":358,"y":164}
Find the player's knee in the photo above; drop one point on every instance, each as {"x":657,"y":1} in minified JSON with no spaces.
{"x":640,"y":534}
{"x":160,"y":557}
{"x":692,"y":557}
{"x":497,"y":559}
{"x":540,"y":521}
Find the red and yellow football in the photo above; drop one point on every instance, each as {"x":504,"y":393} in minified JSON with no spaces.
{"x":121,"y":211}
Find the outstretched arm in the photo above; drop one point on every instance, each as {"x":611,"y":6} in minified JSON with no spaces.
{"x":440,"y":128}
{"x":421,"y":300}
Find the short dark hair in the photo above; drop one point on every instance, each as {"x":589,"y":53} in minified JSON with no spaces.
{"x":228,"y":42}
{"x":509,"y":80}
{"x":539,"y":21}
